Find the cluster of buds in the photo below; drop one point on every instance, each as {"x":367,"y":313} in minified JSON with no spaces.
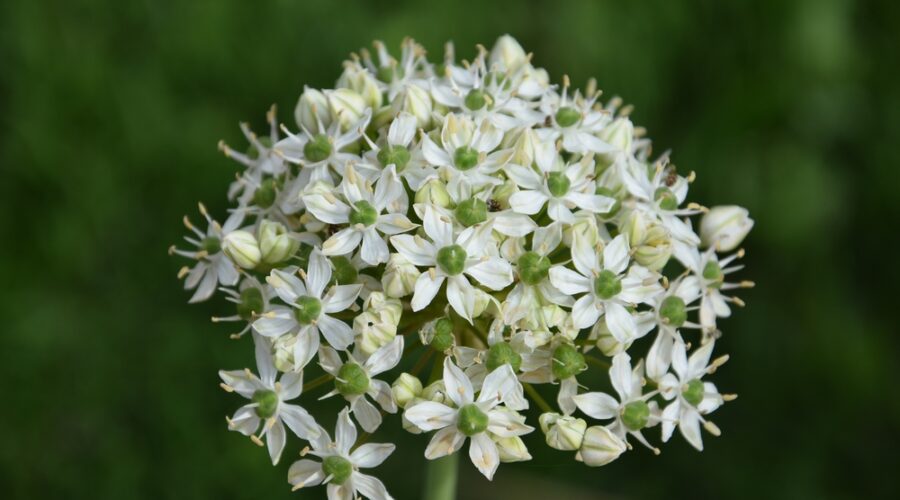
{"x":512,"y":237}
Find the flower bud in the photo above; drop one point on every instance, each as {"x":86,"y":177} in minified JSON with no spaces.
{"x":311,"y":109}
{"x":725,"y":227}
{"x":584,"y":228}
{"x":500,"y":195}
{"x":399,"y":279}
{"x":525,"y":147}
{"x":377,"y":324}
{"x":362,"y":82}
{"x":434,"y":192}
{"x":618,"y":134}
{"x":406,"y":388}
{"x":512,"y":449}
{"x":275,"y":243}
{"x":283,"y":355}
{"x":242,"y":248}
{"x":482,"y":301}
{"x":608,"y":344}
{"x":436,"y":392}
{"x":600,"y":447}
{"x":508,"y":53}
{"x":563,"y":432}
{"x":415,"y":101}
{"x":346,"y":106}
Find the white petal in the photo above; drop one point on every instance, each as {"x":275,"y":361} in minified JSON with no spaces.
{"x":510,"y":223}
{"x":585,"y":312}
{"x":527,"y":202}
{"x":458,"y":385}
{"x":494,"y":273}
{"x":336,"y":332}
{"x":620,"y":322}
{"x":417,"y":250}
{"x":370,"y":487}
{"x":697,"y":363}
{"x":597,"y":405}
{"x":402,"y":129}
{"x":525,"y":177}
{"x":461,"y":296}
{"x":591,"y":202}
{"x":286,"y":284}
{"x":568,"y":388}
{"x":429,"y":415}
{"x":498,"y":385}
{"x":380,"y":392}
{"x":437,"y":227}
{"x":568,"y":281}
{"x":305,"y":473}
{"x":275,"y":323}
{"x":374,"y":249}
{"x":305,"y":347}
{"x":444,"y":442}
{"x":318,"y":275}
{"x":329,"y":360}
{"x":615,"y":255}
{"x":264,"y":363}
{"x":484,"y":455}
{"x":620,"y":375}
{"x":385,"y":358}
{"x":291,"y":385}
{"x":299,"y":421}
{"x":339,"y":298}
{"x":426,"y":289}
{"x":371,"y":454}
{"x":669,"y":420}
{"x":344,"y":433}
{"x":689,"y":425}
{"x":342,"y":242}
{"x":275,"y":440}
{"x":394,"y":224}
{"x":367,"y":415}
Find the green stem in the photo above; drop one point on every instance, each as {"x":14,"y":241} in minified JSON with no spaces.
{"x":536,"y":396}
{"x":440,"y":478}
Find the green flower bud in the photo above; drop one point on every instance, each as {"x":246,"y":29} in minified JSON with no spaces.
{"x":712,"y":272}
{"x":339,"y":468}
{"x":435,"y":192}
{"x":475,"y":99}
{"x":465,"y":158}
{"x":251,"y":302}
{"x":351,"y":380}
{"x":635,"y":415}
{"x":265,"y":194}
{"x":501,"y":354}
{"x":318,"y":148}
{"x":363,"y":213}
{"x":567,"y":362}
{"x":607,"y":285}
{"x":673,"y":311}
{"x":567,"y":116}
{"x":443,"y":335}
{"x":533,"y":268}
{"x":267,"y":401}
{"x":472,"y":420}
{"x":275,"y":243}
{"x":308,"y":309}
{"x":558,"y":184}
{"x":470,"y":212}
{"x":393,"y":155}
{"x":406,"y":388}
{"x":511,"y":449}
{"x":452,"y":259}
{"x":694,"y":392}
{"x":666,"y":198}
{"x":242,"y":248}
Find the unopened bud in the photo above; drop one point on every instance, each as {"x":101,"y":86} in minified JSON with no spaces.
{"x":600,"y":447}
{"x":563,"y":432}
{"x":406,"y":388}
{"x":725,"y":227}
{"x":242,"y":247}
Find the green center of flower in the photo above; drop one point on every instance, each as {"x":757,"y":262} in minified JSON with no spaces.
{"x":471,"y":420}
{"x":501,"y":354}
{"x":265,"y":194}
{"x":443,"y":335}
{"x":363,"y":213}
{"x":471,"y":212}
{"x":567,"y":362}
{"x":345,"y":272}
{"x":251,"y":302}
{"x":607,"y":285}
{"x":211,"y":245}
{"x":635,"y":415}
{"x":351,"y":380}
{"x":475,"y":99}
{"x":666,"y":198}
{"x":673,"y":311}
{"x":318,"y":148}
{"x":533,"y":268}
{"x":387,"y":73}
{"x":452,"y":259}
{"x":465,"y":158}
{"x":693,"y":393}
{"x":567,"y":116}
{"x":307,"y":309}
{"x":394,"y":155}
{"x":339,"y":468}
{"x":267,"y":403}
{"x":712,"y":272}
{"x":558,"y":184}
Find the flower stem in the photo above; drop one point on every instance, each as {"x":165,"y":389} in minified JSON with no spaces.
{"x":441,"y":478}
{"x":538,"y":399}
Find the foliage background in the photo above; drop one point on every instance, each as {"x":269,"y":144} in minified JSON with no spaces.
{"x":110,"y":116}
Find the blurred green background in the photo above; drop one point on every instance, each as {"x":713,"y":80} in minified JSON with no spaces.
{"x":109,"y":117}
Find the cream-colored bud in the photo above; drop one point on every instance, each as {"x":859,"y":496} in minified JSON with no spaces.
{"x":406,"y":388}
{"x":433,"y":192}
{"x":283,"y":355}
{"x":525,"y":147}
{"x":606,"y":341}
{"x":586,"y":229}
{"x":399,"y":279}
{"x":415,"y":101}
{"x":312,"y":108}
{"x":346,"y":105}
{"x":563,"y":432}
{"x":501,"y":193}
{"x":362,"y":82}
{"x":436,"y":392}
{"x":600,"y":446}
{"x":376,"y":326}
{"x":512,"y":449}
{"x":619,"y":134}
{"x":276,"y":243}
{"x":242,"y":247}
{"x":508,"y":53}
{"x":725,"y":227}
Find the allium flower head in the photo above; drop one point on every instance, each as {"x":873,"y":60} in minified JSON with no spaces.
{"x":473,"y":220}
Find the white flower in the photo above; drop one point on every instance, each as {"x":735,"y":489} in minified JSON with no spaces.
{"x":561,"y":187}
{"x":339,"y":467}
{"x":631,"y":412}
{"x":353,"y":381}
{"x":725,"y":227}
{"x":608,"y":289}
{"x":465,"y":154}
{"x":317,"y":151}
{"x":309,"y":308}
{"x":691,"y":397}
{"x":534,"y":287}
{"x":268,"y":404}
{"x":213,"y":266}
{"x":364,"y":212}
{"x":470,"y":417}
{"x":449,"y":259}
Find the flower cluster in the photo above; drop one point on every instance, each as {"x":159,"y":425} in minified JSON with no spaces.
{"x":513,"y":237}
